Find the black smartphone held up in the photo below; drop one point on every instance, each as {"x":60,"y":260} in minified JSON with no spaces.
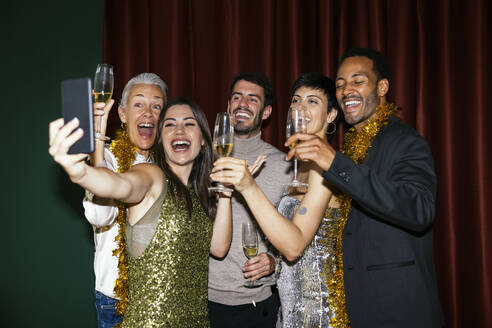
{"x":76,"y":96}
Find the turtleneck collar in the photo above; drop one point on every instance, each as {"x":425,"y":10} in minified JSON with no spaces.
{"x":249,"y":145}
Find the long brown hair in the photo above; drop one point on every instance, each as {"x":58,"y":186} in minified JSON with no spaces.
{"x":202,"y":164}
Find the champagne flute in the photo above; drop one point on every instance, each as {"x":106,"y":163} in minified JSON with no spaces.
{"x":250,"y":247}
{"x":296,"y":123}
{"x":223,"y":142}
{"x":103,"y":90}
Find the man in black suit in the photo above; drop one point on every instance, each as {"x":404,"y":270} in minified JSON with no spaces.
{"x":387,"y":184}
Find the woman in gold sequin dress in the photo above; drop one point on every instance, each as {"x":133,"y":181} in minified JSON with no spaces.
{"x":309,"y":257}
{"x":170,"y":232}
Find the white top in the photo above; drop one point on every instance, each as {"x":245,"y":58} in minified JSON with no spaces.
{"x":103,"y":220}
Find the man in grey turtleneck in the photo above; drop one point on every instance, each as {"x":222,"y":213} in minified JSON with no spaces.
{"x":231,"y":304}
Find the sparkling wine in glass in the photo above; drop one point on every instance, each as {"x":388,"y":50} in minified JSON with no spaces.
{"x":223,"y":142}
{"x":250,"y":246}
{"x":296,"y":123}
{"x":103,"y":90}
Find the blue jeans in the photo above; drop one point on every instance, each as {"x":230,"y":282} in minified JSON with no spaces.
{"x":106,"y":312}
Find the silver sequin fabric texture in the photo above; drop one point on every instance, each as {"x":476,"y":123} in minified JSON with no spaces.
{"x":301,"y":284}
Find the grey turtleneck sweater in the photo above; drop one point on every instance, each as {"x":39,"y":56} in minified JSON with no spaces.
{"x":225,"y":282}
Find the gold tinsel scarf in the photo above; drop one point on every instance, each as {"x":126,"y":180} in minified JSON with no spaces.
{"x":124,"y":152}
{"x":355,"y":146}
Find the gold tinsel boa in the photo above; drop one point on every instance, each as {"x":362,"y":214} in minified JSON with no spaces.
{"x":124,"y":152}
{"x":355,"y":146}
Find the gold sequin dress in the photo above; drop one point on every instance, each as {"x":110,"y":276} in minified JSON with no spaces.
{"x":168,"y":266}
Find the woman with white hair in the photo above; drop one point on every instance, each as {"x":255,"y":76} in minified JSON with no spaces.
{"x":142,"y":100}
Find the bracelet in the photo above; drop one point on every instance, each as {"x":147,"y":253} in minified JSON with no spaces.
{"x":89,"y":196}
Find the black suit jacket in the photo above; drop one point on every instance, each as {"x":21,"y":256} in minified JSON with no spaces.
{"x":388,"y":258}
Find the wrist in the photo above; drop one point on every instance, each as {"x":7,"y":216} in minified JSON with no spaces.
{"x":249,"y":190}
{"x":273,"y":262}
{"x":79,"y":177}
{"x":224,"y":195}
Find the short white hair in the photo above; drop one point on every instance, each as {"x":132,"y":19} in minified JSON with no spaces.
{"x":143,"y":78}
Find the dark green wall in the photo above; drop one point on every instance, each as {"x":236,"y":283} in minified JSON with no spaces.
{"x":47,"y":277}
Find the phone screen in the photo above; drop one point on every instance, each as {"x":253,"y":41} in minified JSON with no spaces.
{"x":76,"y":97}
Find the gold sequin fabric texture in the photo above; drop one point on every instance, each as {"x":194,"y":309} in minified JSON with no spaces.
{"x":168,"y":282}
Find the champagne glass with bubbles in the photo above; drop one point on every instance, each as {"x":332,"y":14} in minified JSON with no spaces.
{"x":250,"y":247}
{"x":296,"y":123}
{"x":103,"y":90}
{"x":223,"y":142}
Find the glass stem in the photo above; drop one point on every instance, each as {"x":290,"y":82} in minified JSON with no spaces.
{"x":99,"y":126}
{"x":295,"y":169}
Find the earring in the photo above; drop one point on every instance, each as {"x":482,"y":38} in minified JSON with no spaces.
{"x":332,"y":127}
{"x":123,"y":126}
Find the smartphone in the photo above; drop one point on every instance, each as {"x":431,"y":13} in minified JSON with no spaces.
{"x":76,"y":97}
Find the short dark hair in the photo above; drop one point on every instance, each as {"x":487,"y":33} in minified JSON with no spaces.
{"x":380,"y":64}
{"x":202,"y":164}
{"x":259,"y":79}
{"x":318,"y":81}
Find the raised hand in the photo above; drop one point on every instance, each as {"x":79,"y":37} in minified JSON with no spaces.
{"x":253,"y":168}
{"x":311,"y":148}
{"x":61,"y":139}
{"x":235,"y":171}
{"x":101,"y":113}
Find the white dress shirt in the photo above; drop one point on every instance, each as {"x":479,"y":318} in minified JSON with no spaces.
{"x":103,"y":220}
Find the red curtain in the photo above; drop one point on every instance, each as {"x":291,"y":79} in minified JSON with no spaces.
{"x":440,"y":53}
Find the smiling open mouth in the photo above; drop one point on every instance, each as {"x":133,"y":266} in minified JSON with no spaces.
{"x":242,"y":114}
{"x":145,"y":129}
{"x":180,"y":145}
{"x":351,"y":102}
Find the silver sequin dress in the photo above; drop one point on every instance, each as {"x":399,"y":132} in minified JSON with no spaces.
{"x":302,"y":284}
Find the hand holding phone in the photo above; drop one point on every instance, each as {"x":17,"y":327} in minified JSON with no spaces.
{"x":62,"y":136}
{"x":76,"y":97}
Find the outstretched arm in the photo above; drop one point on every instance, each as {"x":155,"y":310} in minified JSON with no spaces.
{"x":129,"y":187}
{"x":290,"y":238}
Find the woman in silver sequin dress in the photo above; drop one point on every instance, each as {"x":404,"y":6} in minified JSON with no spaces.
{"x":302,"y":283}
{"x":308,"y":256}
